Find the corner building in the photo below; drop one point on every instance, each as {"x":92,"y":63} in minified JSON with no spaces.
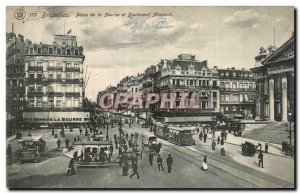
{"x":54,"y":83}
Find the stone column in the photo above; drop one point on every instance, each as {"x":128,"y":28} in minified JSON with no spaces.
{"x":271,"y":99}
{"x":258,"y":102}
{"x":284,"y":101}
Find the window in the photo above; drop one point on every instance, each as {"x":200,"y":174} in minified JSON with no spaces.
{"x":227,"y":108}
{"x":246,"y":85}
{"x":50,"y":75}
{"x":241,"y":98}
{"x":214,"y":94}
{"x":251,"y":86}
{"x":191,"y":82}
{"x":203,"y":104}
{"x":21,"y":108}
{"x":58,"y":88}
{"x":40,"y":75}
{"x":76,"y":51}
{"x":214,"y":105}
{"x":227,"y":85}
{"x":68,"y":52}
{"x":58,"y":102}
{"x":234,"y":74}
{"x":18,"y":50}
{"x":31,"y":75}
{"x":173,"y":81}
{"x":222,"y":98}
{"x":31,"y":88}
{"x":136,"y":89}
{"x":18,"y":61}
{"x":203,"y":83}
{"x":68,"y":65}
{"x":76,"y":102}
{"x":39,"y":50}
{"x":58,"y":51}
{"x":51,"y":64}
{"x":40,"y":88}
{"x":241,"y":85}
{"x":14,"y":98}
{"x":21,"y":98}
{"x":234,"y":85}
{"x":50,"y":50}
{"x":203,"y":73}
{"x":58,"y":75}
{"x":214,"y":83}
{"x":68,"y":75}
{"x":222,"y":73}
{"x":31,"y":50}
{"x":69,"y":102}
{"x":233,"y":108}
{"x":51,"y":103}
{"x":39,"y":103}
{"x":59,"y":65}
{"x":227,"y":98}
{"x":131,"y":89}
{"x":199,"y":82}
{"x":227,"y":73}
{"x":76,"y":66}
{"x":31,"y":103}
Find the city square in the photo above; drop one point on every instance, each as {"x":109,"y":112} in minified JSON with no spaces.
{"x":85,"y":111}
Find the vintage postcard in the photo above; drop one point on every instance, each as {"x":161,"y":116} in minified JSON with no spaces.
{"x":150,"y":97}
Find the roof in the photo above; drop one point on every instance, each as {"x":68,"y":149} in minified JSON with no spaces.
{"x":180,"y":128}
{"x":274,"y":56}
{"x":93,"y":143}
{"x":31,"y":138}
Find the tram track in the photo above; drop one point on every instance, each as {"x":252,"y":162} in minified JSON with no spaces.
{"x":236,"y":173}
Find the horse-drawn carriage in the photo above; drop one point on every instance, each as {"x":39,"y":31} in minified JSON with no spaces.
{"x":150,"y":144}
{"x":31,"y":148}
{"x":248,"y":149}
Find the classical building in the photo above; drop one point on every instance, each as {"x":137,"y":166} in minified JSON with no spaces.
{"x":237,"y":91}
{"x":54,"y":83}
{"x":275,"y":81}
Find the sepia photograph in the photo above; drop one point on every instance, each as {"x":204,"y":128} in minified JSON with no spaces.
{"x":150,"y":97}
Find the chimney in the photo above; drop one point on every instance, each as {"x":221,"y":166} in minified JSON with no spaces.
{"x":41,"y":42}
{"x":232,"y":68}
{"x":228,"y":68}
{"x":243,"y":69}
{"x":215,"y":67}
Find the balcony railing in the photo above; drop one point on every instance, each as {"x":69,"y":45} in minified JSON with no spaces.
{"x":35,"y":94}
{"x":57,"y":94}
{"x":35,"y":68}
{"x":72,"y":69}
{"x":55,"y":68}
{"x":238,"y":89}
{"x":34,"y":80}
{"x":53,"y":80}
{"x":73,"y":80}
{"x":72,"y":94}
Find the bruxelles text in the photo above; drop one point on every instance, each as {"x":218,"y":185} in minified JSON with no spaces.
{"x":181,"y":100}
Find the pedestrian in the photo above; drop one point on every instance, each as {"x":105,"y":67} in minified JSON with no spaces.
{"x":151,"y":159}
{"x":218,"y":140}
{"x":135,"y":169}
{"x":266,"y":148}
{"x":80,"y":130}
{"x":75,"y":139}
{"x":116,"y":143}
{"x":67,"y":143}
{"x":8,"y":150}
{"x":205,"y":137}
{"x":126,"y":136}
{"x":201,"y":136}
{"x":169,"y":163}
{"x":204,"y":164}
{"x":111,"y":150}
{"x":223,"y":151}
{"x":58,"y":142}
{"x":222,"y":134}
{"x":71,"y":168}
{"x":78,"y":139}
{"x":125,"y":147}
{"x":86,"y":132}
{"x":115,"y":136}
{"x":159,"y":162}
{"x":120,"y":152}
{"x":261,"y":159}
{"x":125,"y":167}
{"x":129,"y":143}
{"x":225,"y":135}
{"x":213,"y":145}
{"x":131,"y":135}
{"x":52,"y":134}
{"x":222,"y":141}
{"x":258,"y":147}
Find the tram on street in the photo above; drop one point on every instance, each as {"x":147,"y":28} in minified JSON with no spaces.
{"x":181,"y":135}
{"x":175,"y":134}
{"x":93,"y":153}
{"x":31,"y":148}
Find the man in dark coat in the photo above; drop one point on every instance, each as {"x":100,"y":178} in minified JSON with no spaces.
{"x":8,"y":150}
{"x":116,"y":143}
{"x":71,"y":168}
{"x":204,"y":137}
{"x":225,"y":135}
{"x":67,"y":142}
{"x":151,"y":159}
{"x":58,"y":142}
{"x":200,"y":136}
{"x":135,"y":169}
{"x":213,"y":145}
{"x":261,"y":159}
{"x":159,"y":162}
{"x":218,"y":140}
{"x":266,"y":148}
{"x":169,"y":163}
{"x":222,"y":141}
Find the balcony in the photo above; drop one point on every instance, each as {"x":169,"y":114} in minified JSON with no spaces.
{"x":34,"y":80}
{"x":32,"y":93}
{"x":72,"y":94}
{"x":53,"y":80}
{"x":57,"y":94}
{"x":73,"y":80}
{"x":72,"y":69}
{"x":35,"y":68}
{"x":55,"y":68}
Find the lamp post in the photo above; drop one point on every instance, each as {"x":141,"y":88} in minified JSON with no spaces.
{"x":290,"y":131}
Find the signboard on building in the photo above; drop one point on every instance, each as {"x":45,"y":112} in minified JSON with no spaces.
{"x":56,"y":117}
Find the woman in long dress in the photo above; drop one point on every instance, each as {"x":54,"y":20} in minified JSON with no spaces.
{"x":204,"y":164}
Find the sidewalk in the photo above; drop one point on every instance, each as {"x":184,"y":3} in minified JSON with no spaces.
{"x":234,"y":140}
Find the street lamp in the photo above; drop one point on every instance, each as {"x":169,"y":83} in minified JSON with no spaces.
{"x":290,"y":131}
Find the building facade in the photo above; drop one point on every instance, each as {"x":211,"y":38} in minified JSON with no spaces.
{"x":237,"y":91}
{"x":275,"y":81}
{"x":54,"y":83}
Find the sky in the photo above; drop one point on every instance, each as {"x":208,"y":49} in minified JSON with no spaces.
{"x":119,"y":45}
